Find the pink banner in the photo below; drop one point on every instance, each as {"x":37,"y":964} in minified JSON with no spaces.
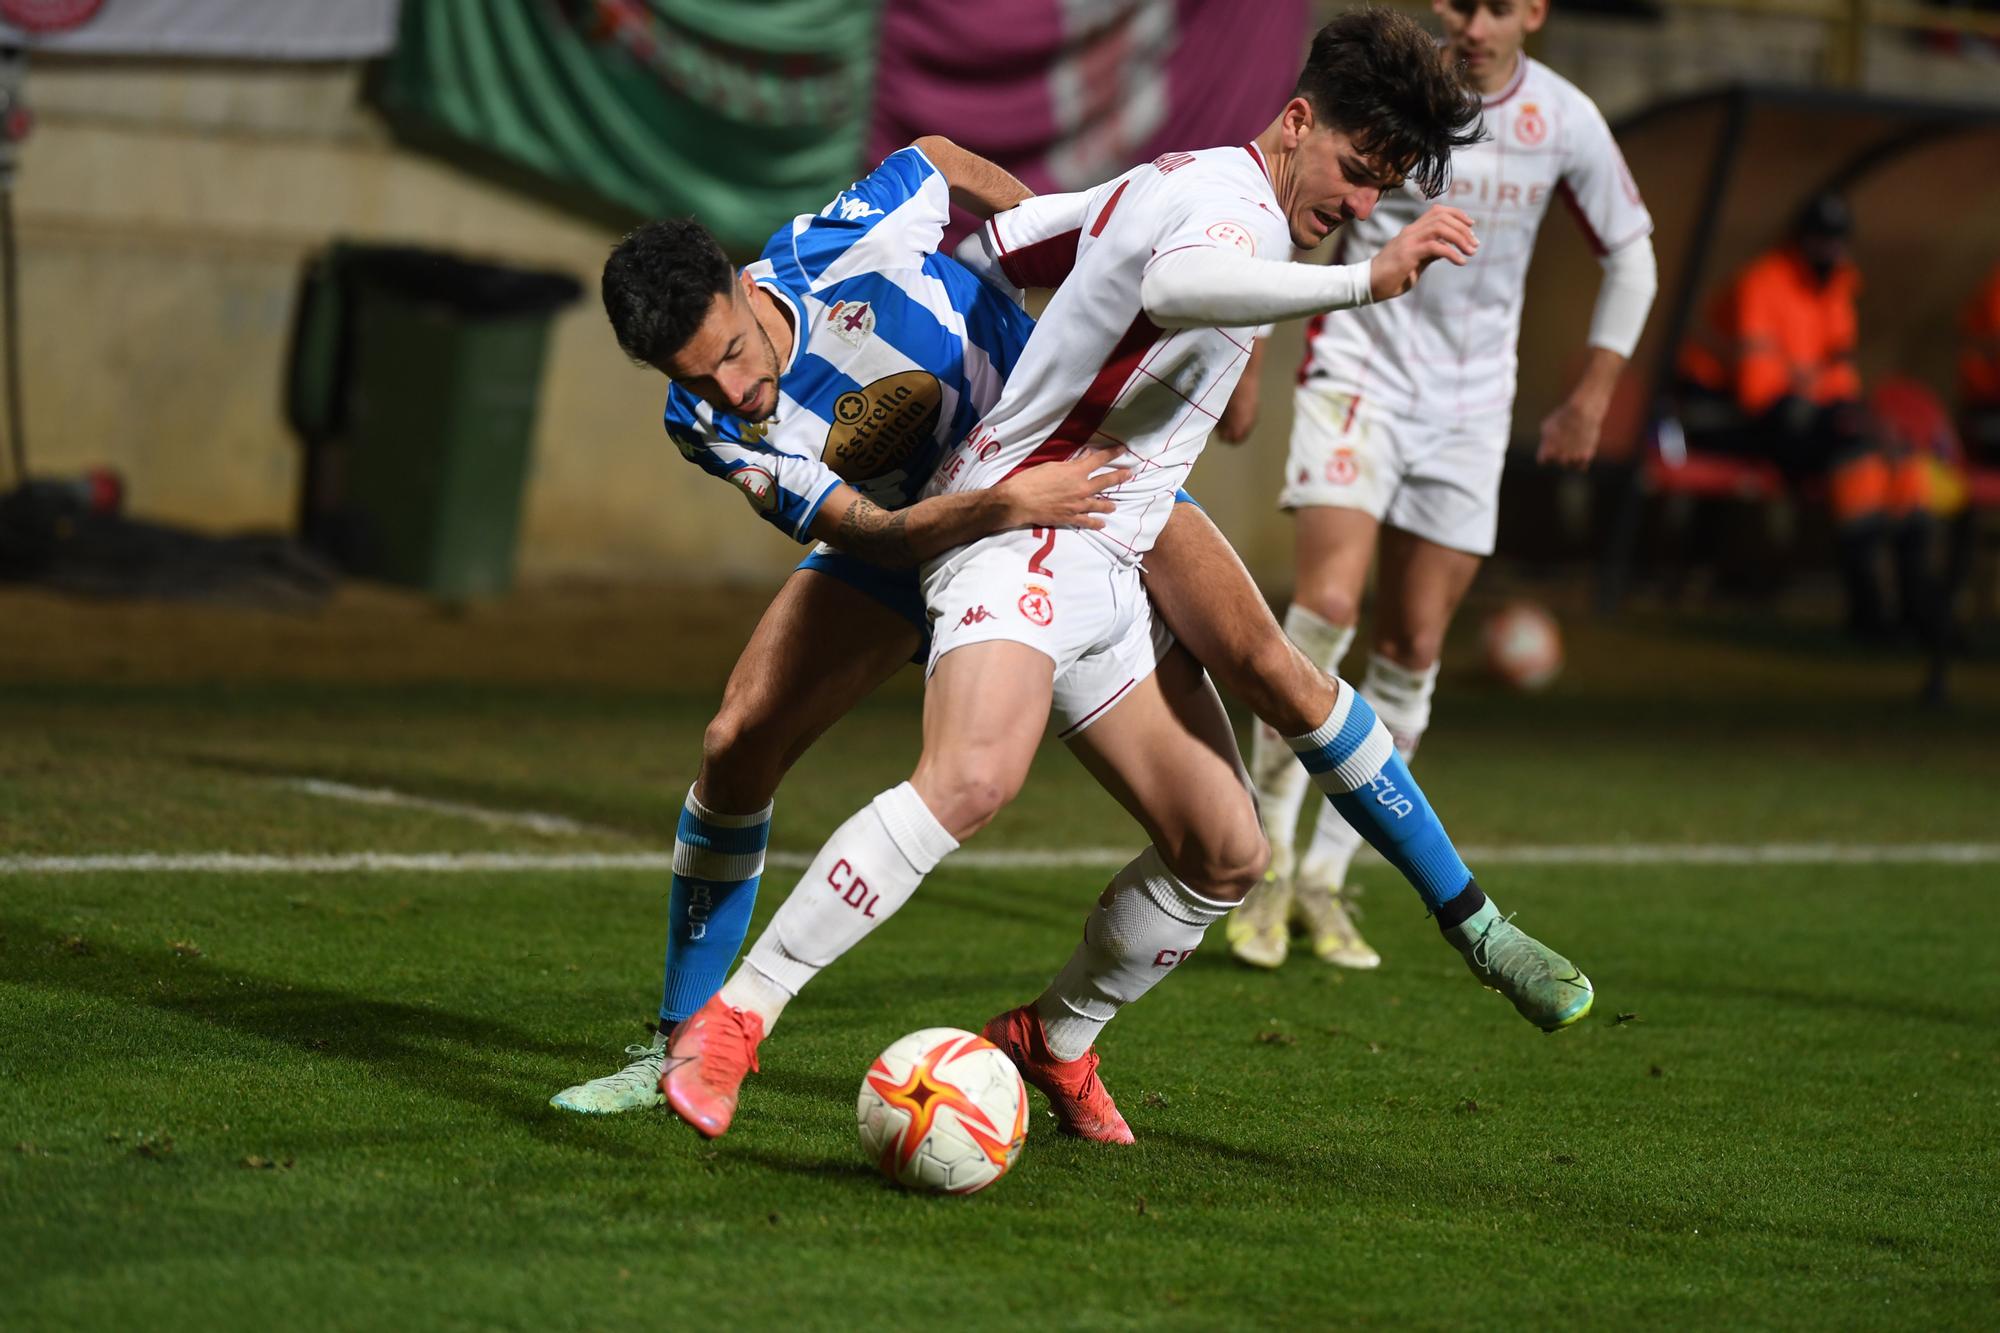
{"x":1066,"y":93}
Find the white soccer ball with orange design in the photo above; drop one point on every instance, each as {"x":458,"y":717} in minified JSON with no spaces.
{"x":944,"y":1111}
{"x":1523,"y":645}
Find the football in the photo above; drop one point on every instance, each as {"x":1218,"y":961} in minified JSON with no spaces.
{"x":1523,"y":646}
{"x":942,"y":1111}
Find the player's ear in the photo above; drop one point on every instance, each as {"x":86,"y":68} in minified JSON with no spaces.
{"x":1298,"y":120}
{"x":746,"y":286}
{"x":1534,"y":14}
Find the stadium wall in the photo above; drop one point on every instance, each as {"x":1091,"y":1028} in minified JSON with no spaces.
{"x":165,"y":209}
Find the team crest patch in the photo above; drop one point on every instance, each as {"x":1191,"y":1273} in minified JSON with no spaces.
{"x":877,"y":429}
{"x":758,"y":486}
{"x":1235,"y":235}
{"x":1037,"y":605}
{"x":1341,"y":469}
{"x":1529,"y":127}
{"x":849,"y":321}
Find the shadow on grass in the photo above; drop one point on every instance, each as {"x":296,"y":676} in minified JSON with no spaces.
{"x":422,"y":1047}
{"x":1828,"y":1001}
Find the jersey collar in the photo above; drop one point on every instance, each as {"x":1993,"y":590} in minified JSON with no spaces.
{"x":763,"y":274}
{"x":1513,"y":84}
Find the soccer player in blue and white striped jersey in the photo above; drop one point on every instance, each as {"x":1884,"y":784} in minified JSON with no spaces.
{"x":783,"y":387}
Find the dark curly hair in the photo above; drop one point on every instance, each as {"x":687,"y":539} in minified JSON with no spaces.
{"x":659,"y":284}
{"x":1380,"y":78}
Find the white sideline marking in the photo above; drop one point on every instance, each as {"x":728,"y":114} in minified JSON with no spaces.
{"x":532,"y":820}
{"x":1632,"y":854}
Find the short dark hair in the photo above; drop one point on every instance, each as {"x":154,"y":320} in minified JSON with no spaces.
{"x":1379,"y":77}
{"x":659,"y":284}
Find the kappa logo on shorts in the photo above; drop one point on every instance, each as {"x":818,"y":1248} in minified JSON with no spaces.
{"x":1341,"y":469}
{"x":975,"y":616}
{"x":1037,"y":605}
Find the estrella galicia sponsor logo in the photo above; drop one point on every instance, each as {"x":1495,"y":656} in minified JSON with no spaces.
{"x":878,"y":429}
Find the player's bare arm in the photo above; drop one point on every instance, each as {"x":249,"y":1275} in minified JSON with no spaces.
{"x":977,"y":185}
{"x":1570,"y":433}
{"x":1624,"y":298}
{"x":1239,"y":418}
{"x":1059,"y":495}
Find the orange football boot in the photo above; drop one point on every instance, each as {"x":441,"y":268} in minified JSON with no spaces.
{"x":1082,"y":1105}
{"x":707,"y":1057}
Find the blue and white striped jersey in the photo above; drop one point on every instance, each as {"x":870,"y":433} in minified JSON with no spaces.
{"x":898,"y":352}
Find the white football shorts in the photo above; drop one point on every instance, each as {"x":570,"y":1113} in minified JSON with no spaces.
{"x":1437,"y":479}
{"x":1055,"y":590}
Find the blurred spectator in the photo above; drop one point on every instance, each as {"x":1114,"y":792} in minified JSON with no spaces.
{"x":1979,"y":372}
{"x":1772,"y":375}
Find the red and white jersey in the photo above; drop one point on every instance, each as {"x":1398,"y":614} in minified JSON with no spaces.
{"x":1448,"y":347}
{"x":1096,"y":370}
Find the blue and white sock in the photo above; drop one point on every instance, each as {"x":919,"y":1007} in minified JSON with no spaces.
{"x":717,"y":861}
{"x":1353,"y":760}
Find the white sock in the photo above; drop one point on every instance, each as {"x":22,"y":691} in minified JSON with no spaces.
{"x":1402,"y":699}
{"x":1274,"y":769}
{"x":1144,"y":924}
{"x":867,"y":869}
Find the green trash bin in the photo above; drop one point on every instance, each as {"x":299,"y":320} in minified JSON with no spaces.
{"x":437,"y":367}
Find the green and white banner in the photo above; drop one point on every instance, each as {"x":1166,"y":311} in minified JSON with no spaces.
{"x":743,"y":114}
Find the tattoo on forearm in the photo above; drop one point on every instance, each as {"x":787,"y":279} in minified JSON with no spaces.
{"x":879,"y":536}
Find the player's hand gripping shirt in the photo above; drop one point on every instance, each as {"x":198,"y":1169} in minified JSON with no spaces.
{"x":1447,"y":349}
{"x":1098,"y":372}
{"x":897,"y":352}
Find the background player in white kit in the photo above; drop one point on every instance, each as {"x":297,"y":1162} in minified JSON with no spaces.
{"x":1152,"y":324}
{"x":1402,"y":419}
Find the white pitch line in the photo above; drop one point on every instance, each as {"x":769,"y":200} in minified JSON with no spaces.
{"x":534,"y":821}
{"x":1633,"y":854}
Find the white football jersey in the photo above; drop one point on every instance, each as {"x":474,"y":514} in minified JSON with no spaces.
{"x":1447,"y":348}
{"x":1096,"y":370}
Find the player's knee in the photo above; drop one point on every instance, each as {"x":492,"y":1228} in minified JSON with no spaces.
{"x":1413,"y":649}
{"x":965,"y":799}
{"x":742,"y":754}
{"x":1328,"y":600}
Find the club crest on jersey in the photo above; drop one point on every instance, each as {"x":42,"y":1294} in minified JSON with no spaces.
{"x":849,"y":321}
{"x":1037,"y":605}
{"x":1234,"y":235}
{"x":758,"y":486}
{"x":1341,"y":469}
{"x":878,"y":428}
{"x":1529,"y":127}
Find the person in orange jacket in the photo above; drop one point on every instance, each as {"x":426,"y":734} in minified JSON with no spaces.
{"x":1771,"y":374}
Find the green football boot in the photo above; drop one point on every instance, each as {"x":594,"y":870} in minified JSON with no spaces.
{"x":1259,"y":929}
{"x":636,"y":1087}
{"x":1546,"y":988}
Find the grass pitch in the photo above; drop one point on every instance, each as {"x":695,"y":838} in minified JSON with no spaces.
{"x":233,"y":1101}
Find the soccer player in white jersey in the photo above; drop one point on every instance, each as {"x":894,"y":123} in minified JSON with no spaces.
{"x":1402,"y":419}
{"x":1150,"y":324}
